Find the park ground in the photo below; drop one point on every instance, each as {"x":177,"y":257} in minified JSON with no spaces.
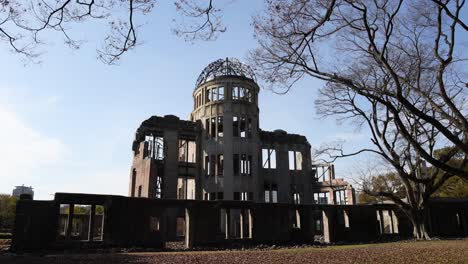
{"x":438,"y":251}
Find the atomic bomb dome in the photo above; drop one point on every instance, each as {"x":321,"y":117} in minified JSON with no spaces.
{"x":225,"y":67}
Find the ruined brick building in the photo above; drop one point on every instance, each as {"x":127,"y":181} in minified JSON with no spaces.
{"x":218,"y":179}
{"x":221,"y":153}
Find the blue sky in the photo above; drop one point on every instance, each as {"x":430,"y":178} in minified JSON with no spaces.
{"x":67,"y":124}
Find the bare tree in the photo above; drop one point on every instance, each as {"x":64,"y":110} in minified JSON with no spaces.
{"x":204,"y":22}
{"x":25,"y":23}
{"x":393,"y":146}
{"x":403,"y":55}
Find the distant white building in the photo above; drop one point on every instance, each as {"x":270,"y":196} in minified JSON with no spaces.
{"x":19,"y":190}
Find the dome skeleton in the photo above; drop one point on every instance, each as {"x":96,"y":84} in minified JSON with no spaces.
{"x":225,"y":67}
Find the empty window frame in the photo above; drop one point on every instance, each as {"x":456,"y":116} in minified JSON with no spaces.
{"x":340,"y":197}
{"x":207,"y":126}
{"x":198,"y":102}
{"x":220,"y":93}
{"x":214,"y":165}
{"x":220,"y":165}
{"x":244,"y":94}
{"x":154,"y":147}
{"x":267,"y":196}
{"x":274,"y":196}
{"x":235,"y":126}
{"x":346,"y":218}
{"x":208,"y":95}
{"x":269,"y":158}
{"x":212,"y":196}
{"x":236,"y":196}
{"x":185,"y":188}
{"x":235,"y":93}
{"x":321,"y":198}
{"x":297,"y":198}
{"x":214,"y":94}
{"x":158,"y":189}
{"x":236,"y":164}
{"x":271,"y":193}
{"x":207,"y":165}
{"x":213,"y":127}
{"x":246,"y":196}
{"x":154,"y":223}
{"x":187,"y":151}
{"x":243,"y":127}
{"x":295,"y":160}
{"x":81,"y":222}
{"x":246,"y":164}
{"x":220,"y":126}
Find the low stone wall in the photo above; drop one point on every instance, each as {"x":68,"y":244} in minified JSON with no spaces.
{"x":142,"y":222}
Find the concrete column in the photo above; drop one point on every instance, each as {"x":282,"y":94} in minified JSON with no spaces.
{"x":394,"y":222}
{"x":328,"y":226}
{"x":91,"y":222}
{"x":282,"y":174}
{"x":189,"y":228}
{"x":241,"y":222}
{"x":71,"y":211}
{"x":298,"y":219}
{"x":228,"y":153}
{"x":250,"y":215}
{"x":228,"y":222}
{"x":382,"y":222}
{"x":390,"y":213}
{"x":171,"y":164}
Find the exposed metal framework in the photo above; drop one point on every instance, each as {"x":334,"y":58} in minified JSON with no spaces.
{"x":225,"y":67}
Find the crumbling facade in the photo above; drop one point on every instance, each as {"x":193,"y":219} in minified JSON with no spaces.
{"x":218,"y":179}
{"x":222,"y":154}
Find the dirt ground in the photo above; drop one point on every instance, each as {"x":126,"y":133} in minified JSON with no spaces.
{"x":446,"y":251}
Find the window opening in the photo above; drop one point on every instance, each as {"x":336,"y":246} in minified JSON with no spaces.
{"x":269,"y":158}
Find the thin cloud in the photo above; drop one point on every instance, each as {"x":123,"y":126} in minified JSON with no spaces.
{"x":24,"y":151}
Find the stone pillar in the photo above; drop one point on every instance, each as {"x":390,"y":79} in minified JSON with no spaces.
{"x":228,"y":151}
{"x":71,"y":210}
{"x":394,"y":222}
{"x":189,"y":228}
{"x":171,"y":169}
{"x":382,"y":222}
{"x":328,"y":225}
{"x":282,"y":170}
{"x":241,"y":223}
{"x":228,"y":222}
{"x":249,"y":212}
{"x":91,"y":222}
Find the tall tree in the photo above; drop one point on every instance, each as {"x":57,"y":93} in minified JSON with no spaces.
{"x":7,"y":211}
{"x":392,"y":66}
{"x":403,"y":55}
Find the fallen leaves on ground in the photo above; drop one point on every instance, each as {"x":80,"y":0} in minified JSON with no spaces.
{"x":447,"y":251}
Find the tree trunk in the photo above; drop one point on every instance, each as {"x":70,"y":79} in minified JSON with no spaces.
{"x":418,"y":218}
